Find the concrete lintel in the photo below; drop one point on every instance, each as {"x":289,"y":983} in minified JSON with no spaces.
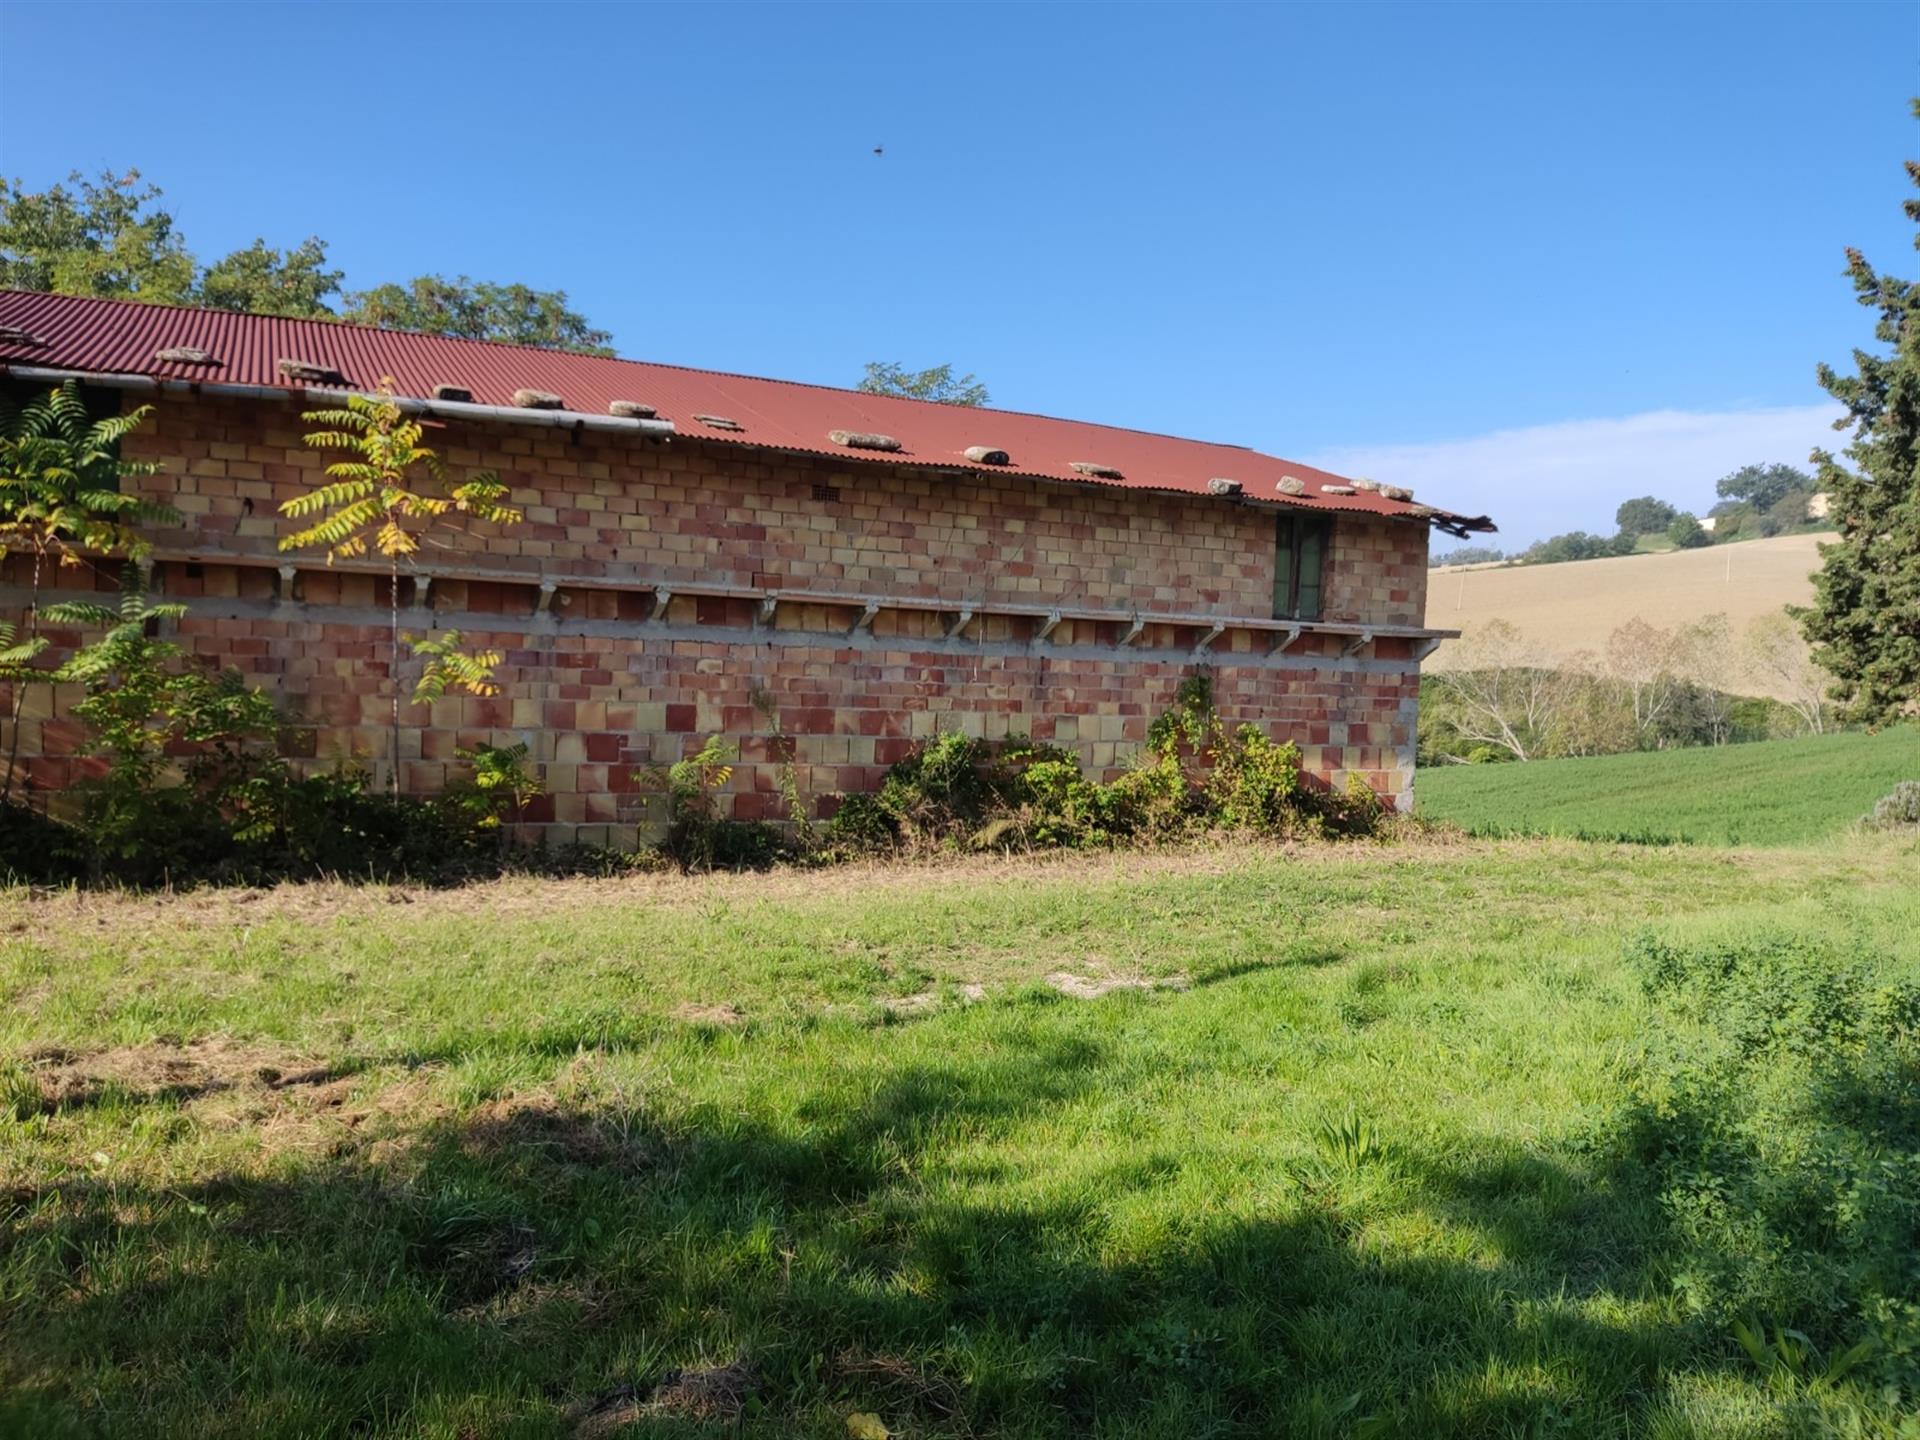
{"x":614,"y":632}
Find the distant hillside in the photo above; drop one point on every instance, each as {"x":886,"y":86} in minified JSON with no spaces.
{"x":1775,"y":792}
{"x":1577,"y":605}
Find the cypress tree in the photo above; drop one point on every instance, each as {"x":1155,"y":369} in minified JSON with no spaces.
{"x":1864,"y":623}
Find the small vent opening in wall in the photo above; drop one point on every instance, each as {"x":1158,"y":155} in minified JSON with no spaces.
{"x":827,"y":494}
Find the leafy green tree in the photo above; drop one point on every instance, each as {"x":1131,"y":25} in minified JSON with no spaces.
{"x":103,"y":237}
{"x":1470,"y":555}
{"x":61,"y":500}
{"x":1864,"y":623}
{"x":112,"y":237}
{"x":143,"y":697}
{"x":499,"y":789}
{"x":16,"y":660}
{"x":884,"y":377}
{"x":1645,"y":516}
{"x":1763,"y":486}
{"x":1734,"y":520}
{"x":448,"y":668}
{"x":370,"y":502}
{"x":265,"y":281}
{"x":478,"y":310}
{"x":1787,"y":513}
{"x":1687,"y":533}
{"x":1576,"y":545}
{"x":128,"y":675}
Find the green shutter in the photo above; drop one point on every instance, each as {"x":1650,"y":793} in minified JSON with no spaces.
{"x":1313,"y":559}
{"x":1283,"y":566}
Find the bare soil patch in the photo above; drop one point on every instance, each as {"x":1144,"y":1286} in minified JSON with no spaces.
{"x":710,"y":1014}
{"x":1092,"y":987}
{"x":163,"y":1070}
{"x":703,"y":1393}
{"x":923,"y":1001}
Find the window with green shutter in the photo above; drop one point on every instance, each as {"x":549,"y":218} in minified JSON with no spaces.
{"x":1299,"y":566}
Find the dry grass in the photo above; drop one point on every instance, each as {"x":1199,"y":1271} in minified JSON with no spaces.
{"x":1576,"y":606}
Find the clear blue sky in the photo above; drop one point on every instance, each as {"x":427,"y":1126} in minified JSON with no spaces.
{"x":1368,"y":232}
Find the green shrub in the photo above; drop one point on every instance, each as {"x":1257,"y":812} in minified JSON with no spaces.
{"x":697,"y":838}
{"x":862,"y":826}
{"x":139,"y":824}
{"x":35,"y":849}
{"x":334,"y":823}
{"x":498,"y":788}
{"x":1899,"y":809}
{"x":1254,"y":782}
{"x":941,"y":789}
{"x":1777,"y":1120}
{"x":1192,"y":775}
{"x":232,"y":809}
{"x":1152,"y":800}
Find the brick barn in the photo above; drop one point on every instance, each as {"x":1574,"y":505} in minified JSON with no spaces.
{"x":823,"y":576}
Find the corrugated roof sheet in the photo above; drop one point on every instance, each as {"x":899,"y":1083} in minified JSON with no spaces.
{"x":124,"y":337}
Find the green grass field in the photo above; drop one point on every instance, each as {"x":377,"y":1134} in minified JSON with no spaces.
{"x":1453,"y":1139}
{"x":1776,"y":792}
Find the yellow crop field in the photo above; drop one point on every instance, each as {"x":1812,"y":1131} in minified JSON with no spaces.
{"x":1575,"y":606}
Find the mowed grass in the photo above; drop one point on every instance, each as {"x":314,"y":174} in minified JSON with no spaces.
{"x":1774,"y":792}
{"x":1367,"y":1142}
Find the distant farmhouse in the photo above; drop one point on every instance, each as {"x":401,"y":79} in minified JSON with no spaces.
{"x":824,"y":577}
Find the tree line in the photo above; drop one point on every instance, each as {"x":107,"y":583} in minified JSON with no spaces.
{"x":1756,"y":502}
{"x":112,"y":236}
{"x":1647,"y":688}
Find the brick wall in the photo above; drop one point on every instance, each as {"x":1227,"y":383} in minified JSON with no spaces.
{"x":601,"y":683}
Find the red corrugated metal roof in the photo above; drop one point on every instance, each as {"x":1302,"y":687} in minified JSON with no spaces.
{"x":123,"y":337}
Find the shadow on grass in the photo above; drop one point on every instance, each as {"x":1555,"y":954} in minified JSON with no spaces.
{"x":1303,"y":959}
{"x":547,"y":1270}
